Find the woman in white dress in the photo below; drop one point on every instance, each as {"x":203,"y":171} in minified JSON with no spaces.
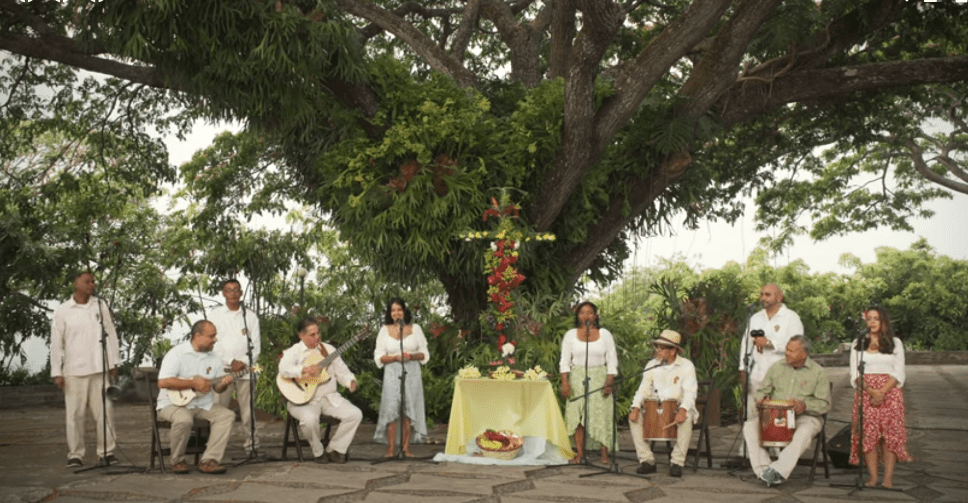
{"x":397,"y":328}
{"x":602,"y":368}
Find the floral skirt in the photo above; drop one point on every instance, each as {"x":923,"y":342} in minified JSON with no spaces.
{"x":886,"y":421}
{"x":599,"y":427}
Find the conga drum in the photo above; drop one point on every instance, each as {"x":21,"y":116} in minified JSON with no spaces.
{"x":774,"y":428}
{"x":657,"y":415}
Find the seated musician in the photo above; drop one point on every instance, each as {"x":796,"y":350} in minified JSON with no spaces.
{"x":668,"y":376}
{"x":192,"y":366}
{"x":326,"y":399}
{"x":803,"y":382}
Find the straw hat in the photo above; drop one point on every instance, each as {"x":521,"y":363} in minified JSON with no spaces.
{"x":669,"y":338}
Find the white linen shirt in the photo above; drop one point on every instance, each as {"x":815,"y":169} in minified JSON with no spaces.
{"x":386,"y":345}
{"x":600,"y":352}
{"x":183,"y":362}
{"x":676,"y":381}
{"x":291,"y":365}
{"x":75,"y":338}
{"x":879,"y":363}
{"x":232,"y":343}
{"x":779,"y":329}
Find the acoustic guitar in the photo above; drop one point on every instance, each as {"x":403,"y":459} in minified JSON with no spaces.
{"x":301,"y":389}
{"x":181,"y":397}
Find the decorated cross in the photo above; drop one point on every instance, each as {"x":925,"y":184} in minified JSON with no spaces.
{"x":502,"y":275}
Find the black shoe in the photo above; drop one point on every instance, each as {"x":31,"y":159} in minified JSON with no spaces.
{"x":75,"y":463}
{"x":321,"y":459}
{"x":675,"y":470}
{"x":645,"y":469}
{"x":336,"y":457}
{"x":108,"y":460}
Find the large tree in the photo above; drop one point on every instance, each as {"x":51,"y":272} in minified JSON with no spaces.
{"x":399,"y":121}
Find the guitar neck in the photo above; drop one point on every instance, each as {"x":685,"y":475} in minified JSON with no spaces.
{"x":346,"y":345}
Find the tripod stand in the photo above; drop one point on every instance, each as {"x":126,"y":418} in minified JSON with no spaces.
{"x":253,"y":455}
{"x":106,"y":459}
{"x":613,"y":466}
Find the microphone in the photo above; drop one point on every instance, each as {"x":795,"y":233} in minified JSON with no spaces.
{"x":753,"y":305}
{"x":588,"y":323}
{"x":864,"y":332}
{"x":401,"y":322}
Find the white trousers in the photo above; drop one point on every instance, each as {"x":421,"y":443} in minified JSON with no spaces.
{"x":644,"y":451}
{"x":807,"y":428}
{"x":182,"y":421}
{"x":332,"y":405}
{"x":82,"y":393}
{"x":241,"y":389}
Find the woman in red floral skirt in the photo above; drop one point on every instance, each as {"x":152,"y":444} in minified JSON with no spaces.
{"x":882,"y":397}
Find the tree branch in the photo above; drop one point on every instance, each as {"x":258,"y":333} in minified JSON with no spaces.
{"x":66,"y":51}
{"x":426,"y":49}
{"x":748,"y":99}
{"x":465,"y":29}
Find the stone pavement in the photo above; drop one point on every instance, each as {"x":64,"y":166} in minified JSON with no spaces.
{"x":32,"y":459}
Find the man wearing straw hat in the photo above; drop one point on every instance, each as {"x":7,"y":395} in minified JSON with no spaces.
{"x":668,"y":376}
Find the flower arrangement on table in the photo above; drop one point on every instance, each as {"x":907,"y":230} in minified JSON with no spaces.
{"x":502,"y":275}
{"x":499,"y":444}
{"x":503,"y":373}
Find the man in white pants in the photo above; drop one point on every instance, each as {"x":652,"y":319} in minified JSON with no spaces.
{"x":326,"y":399}
{"x":773,"y":326}
{"x":668,"y":376}
{"x":77,"y":366}
{"x":805,"y":383}
{"x":236,"y":325}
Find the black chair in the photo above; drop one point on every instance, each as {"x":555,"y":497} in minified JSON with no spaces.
{"x":292,"y":426}
{"x":200,"y":430}
{"x":821,"y":445}
{"x":706,"y":387}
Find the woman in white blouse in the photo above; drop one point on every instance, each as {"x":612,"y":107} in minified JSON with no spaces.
{"x":602,"y":366}
{"x":881,"y":396}
{"x":388,"y":356}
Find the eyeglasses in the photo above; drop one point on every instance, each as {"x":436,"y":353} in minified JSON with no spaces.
{"x":661,"y":346}
{"x":232,"y":290}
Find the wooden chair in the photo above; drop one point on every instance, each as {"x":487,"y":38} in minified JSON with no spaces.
{"x":200,"y":430}
{"x":706,"y":387}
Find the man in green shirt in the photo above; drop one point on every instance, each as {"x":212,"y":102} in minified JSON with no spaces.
{"x":804,"y":382}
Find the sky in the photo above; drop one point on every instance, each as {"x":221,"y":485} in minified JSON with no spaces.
{"x":712,"y":245}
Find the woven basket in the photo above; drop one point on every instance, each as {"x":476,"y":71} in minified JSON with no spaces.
{"x":506,"y":454}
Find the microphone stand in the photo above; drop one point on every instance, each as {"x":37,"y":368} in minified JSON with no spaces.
{"x":748,"y":363}
{"x":253,"y":454}
{"x":102,"y":461}
{"x":613,"y":466}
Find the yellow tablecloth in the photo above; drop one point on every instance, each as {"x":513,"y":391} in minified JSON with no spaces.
{"x":528,"y":408}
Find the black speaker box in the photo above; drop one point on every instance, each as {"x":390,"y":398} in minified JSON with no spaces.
{"x":838,"y":448}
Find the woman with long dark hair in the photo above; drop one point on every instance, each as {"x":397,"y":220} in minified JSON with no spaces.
{"x":388,"y":357}
{"x":602,"y":367}
{"x":881,"y":396}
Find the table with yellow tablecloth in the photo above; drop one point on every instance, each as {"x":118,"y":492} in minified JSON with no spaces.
{"x":527,"y":408}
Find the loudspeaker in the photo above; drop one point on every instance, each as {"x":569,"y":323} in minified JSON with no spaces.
{"x":838,"y":448}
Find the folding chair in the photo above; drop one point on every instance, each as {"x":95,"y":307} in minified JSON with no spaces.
{"x":200,"y":430}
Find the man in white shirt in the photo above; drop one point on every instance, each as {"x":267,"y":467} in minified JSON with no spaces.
{"x":668,"y":376}
{"x":236,"y":325}
{"x":192,"y":370}
{"x":326,"y":399}
{"x":77,"y":366}
{"x":764,"y":342}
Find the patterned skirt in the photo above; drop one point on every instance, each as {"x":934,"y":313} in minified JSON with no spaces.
{"x":599,"y":427}
{"x":886,"y":421}
{"x":413,"y":408}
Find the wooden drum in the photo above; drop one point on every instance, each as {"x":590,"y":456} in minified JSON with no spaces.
{"x":774,"y":428}
{"x":658,"y":415}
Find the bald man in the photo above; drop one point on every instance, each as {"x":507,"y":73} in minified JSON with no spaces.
{"x":758,"y":354}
